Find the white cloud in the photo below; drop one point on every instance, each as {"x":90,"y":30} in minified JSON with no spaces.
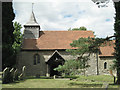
{"x":61,"y":15}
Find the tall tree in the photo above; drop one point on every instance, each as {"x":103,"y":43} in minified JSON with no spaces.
{"x":117,"y":32}
{"x":17,"y":40}
{"x":117,"y":42}
{"x":84,"y":47}
{"x":17,"y":37}
{"x":7,"y":34}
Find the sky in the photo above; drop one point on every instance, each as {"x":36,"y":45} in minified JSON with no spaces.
{"x":64,"y":14}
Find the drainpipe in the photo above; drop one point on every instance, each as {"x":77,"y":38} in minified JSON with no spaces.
{"x":97,"y":63}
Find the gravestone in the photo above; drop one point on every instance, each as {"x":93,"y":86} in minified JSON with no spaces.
{"x":22,"y":75}
{"x":5,"y":75}
{"x":11,"y":76}
{"x":15,"y":76}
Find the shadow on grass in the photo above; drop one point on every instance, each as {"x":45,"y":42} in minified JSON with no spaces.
{"x":15,"y":82}
{"x":84,"y":85}
{"x":114,"y":84}
{"x":28,"y":77}
{"x":41,"y":77}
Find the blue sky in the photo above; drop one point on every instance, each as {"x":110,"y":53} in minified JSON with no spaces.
{"x":65,"y":14}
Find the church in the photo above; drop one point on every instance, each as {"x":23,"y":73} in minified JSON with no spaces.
{"x":42,"y":51}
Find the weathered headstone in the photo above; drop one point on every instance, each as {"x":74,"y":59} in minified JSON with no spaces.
{"x":47,"y":75}
{"x":11,"y":75}
{"x":5,"y":75}
{"x":22,"y":75}
{"x":54,"y":76}
{"x":15,"y":76}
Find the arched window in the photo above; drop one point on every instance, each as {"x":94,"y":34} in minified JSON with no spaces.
{"x":105,"y":65}
{"x":36,"y":59}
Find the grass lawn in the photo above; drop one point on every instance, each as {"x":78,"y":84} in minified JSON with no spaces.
{"x":81,"y":82}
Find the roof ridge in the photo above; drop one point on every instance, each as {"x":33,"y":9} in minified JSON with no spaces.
{"x":66,"y":31}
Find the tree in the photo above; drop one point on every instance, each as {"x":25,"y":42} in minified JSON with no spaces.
{"x":117,"y":39}
{"x":72,"y":67}
{"x":18,"y":37}
{"x":75,"y":29}
{"x":84,"y":47}
{"x":117,"y":32}
{"x":11,"y":36}
{"x":7,"y":34}
{"x":17,"y":40}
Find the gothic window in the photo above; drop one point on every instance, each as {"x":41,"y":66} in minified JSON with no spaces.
{"x":36,"y":59}
{"x":105,"y":65}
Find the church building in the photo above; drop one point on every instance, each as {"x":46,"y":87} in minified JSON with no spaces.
{"x":42,"y":51}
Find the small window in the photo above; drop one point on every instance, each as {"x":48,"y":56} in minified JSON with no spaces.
{"x":105,"y":65}
{"x":36,"y":59}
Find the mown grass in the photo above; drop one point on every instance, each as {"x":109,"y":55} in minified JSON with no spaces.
{"x":97,"y":78}
{"x":81,"y":82}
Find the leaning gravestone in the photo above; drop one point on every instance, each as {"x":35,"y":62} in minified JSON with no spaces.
{"x":5,"y":75}
{"x":11,"y":75}
{"x":22,"y":75}
{"x":15,"y":76}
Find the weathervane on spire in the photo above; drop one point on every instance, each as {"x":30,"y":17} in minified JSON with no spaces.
{"x":32,"y":6}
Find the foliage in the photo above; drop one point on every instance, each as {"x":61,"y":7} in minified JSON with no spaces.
{"x":11,"y":38}
{"x":114,"y":65}
{"x":80,"y":29}
{"x":18,"y":37}
{"x":117,"y":39}
{"x":117,"y":35}
{"x":16,"y":44}
{"x":72,"y":67}
{"x":7,"y":35}
{"x":84,"y":47}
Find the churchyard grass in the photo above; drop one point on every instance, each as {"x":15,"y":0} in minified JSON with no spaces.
{"x":81,"y":82}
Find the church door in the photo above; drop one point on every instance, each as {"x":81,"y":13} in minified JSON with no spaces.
{"x":54,"y":62}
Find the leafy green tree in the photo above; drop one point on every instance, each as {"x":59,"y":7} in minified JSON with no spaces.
{"x":16,"y":46}
{"x":69,"y":68}
{"x":18,"y":38}
{"x":72,"y":67}
{"x":84,"y":47}
{"x":83,"y":28}
{"x":80,"y":29}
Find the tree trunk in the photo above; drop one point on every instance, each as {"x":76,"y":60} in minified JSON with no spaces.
{"x":117,"y":42}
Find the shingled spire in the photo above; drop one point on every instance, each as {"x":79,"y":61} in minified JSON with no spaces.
{"x":32,"y":20}
{"x":32,"y":28}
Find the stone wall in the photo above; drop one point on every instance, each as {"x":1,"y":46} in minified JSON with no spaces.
{"x":109,"y":61}
{"x":26,"y":58}
{"x":92,"y":70}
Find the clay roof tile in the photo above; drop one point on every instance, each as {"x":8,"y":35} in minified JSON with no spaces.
{"x":55,"y":39}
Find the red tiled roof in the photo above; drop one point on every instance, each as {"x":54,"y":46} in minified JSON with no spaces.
{"x":55,"y":39}
{"x":108,"y":49}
